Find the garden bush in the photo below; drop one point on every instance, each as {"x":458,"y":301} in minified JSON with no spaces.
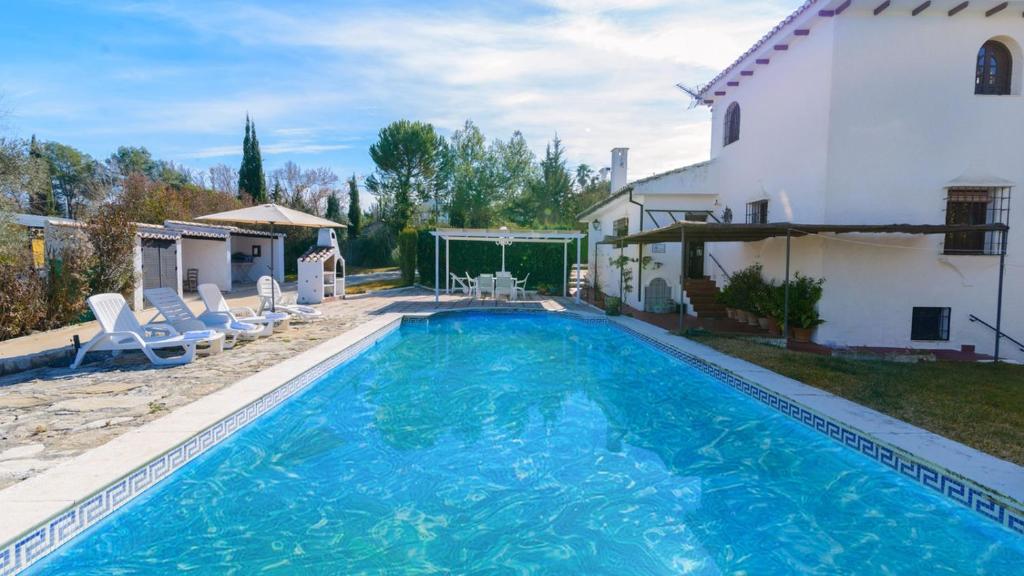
{"x":744,"y":289}
{"x":407,"y":247}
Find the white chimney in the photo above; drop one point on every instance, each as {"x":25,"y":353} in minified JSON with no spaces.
{"x":620,"y":162}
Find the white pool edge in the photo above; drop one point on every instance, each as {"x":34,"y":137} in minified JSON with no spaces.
{"x":42,"y":513}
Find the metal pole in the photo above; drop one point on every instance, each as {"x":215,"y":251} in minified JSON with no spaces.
{"x":503,"y":257}
{"x":437,"y":268}
{"x":447,"y":268}
{"x":785,"y":306}
{"x":273,"y":278}
{"x":999,"y":298}
{"x":578,"y":270}
{"x":565,"y":269}
{"x":682,"y":274}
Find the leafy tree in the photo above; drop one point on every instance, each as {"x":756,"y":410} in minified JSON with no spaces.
{"x":130,"y":160}
{"x":305,"y":189}
{"x":406,"y":155}
{"x":355,"y":215}
{"x":224,"y":179}
{"x":251,"y":180}
{"x":112,"y":235}
{"x":473,"y":171}
{"x":76,"y":178}
{"x":517,"y":171}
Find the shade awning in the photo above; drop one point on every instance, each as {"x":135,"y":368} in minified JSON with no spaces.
{"x":272,"y":214}
{"x":717,"y":232}
{"x":493,"y":235}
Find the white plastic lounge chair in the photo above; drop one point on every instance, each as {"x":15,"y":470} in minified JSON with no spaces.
{"x":464,"y":285}
{"x":484,"y":285}
{"x":120,"y":330}
{"x":176,"y":312}
{"x":505,"y":285}
{"x":503,"y":274}
{"x":521,"y":287}
{"x":267,"y":287}
{"x":218,"y":311}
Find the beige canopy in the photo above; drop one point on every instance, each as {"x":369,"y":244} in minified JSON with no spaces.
{"x":272,"y":214}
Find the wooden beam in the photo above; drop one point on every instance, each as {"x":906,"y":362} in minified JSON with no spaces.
{"x":996,"y":9}
{"x":924,"y":6}
{"x":746,"y":73}
{"x":826,"y":13}
{"x":881,"y":7}
{"x":763,"y":61}
{"x":842,"y":7}
{"x":732,"y":83}
{"x":958,"y":8}
{"x":782,"y":47}
{"x":720,"y":93}
{"x":802,"y":32}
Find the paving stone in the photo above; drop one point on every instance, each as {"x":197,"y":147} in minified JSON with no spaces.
{"x":23,"y":451}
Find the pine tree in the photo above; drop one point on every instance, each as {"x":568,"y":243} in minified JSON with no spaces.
{"x":277,"y":193}
{"x":251,"y":179}
{"x":333,"y":207}
{"x":355,"y":214}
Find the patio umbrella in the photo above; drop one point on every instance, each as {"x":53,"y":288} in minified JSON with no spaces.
{"x":272,"y":214}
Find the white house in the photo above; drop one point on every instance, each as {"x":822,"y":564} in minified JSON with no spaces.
{"x":878,"y":113}
{"x":644,"y":204}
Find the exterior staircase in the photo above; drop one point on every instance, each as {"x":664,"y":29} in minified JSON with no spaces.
{"x":703,"y":296}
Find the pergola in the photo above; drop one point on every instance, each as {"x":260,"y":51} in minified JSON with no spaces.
{"x":502,"y":237}
{"x":683,"y":232}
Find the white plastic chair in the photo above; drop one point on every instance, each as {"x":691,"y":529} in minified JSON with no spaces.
{"x":120,"y":330}
{"x":484,"y":285}
{"x":219,"y":312}
{"x":464,"y":285}
{"x":176,"y":312}
{"x":268,"y":289}
{"x":505,"y":285}
{"x":521,"y":287}
{"x":503,"y":274}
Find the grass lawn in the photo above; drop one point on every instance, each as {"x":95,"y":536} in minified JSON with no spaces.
{"x":980,"y":405}
{"x":374,"y":286}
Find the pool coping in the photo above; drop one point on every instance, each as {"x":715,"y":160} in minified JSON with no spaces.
{"x":43,"y":512}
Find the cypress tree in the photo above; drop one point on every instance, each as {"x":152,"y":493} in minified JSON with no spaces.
{"x":333,"y":207}
{"x":355,"y":214}
{"x":251,"y":180}
{"x":41,"y":199}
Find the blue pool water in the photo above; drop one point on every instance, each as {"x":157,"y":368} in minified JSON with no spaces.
{"x":519,"y":444}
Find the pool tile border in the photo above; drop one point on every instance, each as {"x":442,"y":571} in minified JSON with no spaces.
{"x":20,"y":553}
{"x":28,"y":549}
{"x":955,"y":487}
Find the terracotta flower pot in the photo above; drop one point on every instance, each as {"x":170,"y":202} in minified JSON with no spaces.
{"x":752,"y":319}
{"x":762,"y":322}
{"x":739,"y":316}
{"x":802,"y":334}
{"x":773,"y":327}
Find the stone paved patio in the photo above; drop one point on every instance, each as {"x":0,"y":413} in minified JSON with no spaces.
{"x":49,"y":415}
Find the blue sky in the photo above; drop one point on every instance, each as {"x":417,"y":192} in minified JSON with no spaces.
{"x":320,"y":78}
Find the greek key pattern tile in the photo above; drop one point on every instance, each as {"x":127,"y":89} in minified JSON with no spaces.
{"x":21,"y":553}
{"x":960,"y":490}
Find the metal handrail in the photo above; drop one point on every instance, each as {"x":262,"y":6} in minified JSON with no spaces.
{"x":720,"y":267}
{"x":974,"y":318}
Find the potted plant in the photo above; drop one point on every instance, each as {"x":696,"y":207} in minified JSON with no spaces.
{"x":804,"y":294}
{"x":742,"y":288}
{"x":612,"y":305}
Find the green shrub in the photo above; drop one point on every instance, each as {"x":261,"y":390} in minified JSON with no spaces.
{"x":804,"y":294}
{"x":744,"y":289}
{"x":407,"y":248}
{"x":67,"y":286}
{"x":21,"y":303}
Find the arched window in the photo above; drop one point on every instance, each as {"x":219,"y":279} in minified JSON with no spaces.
{"x":732,"y":124}
{"x":994,"y":65}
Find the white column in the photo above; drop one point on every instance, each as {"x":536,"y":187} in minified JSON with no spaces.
{"x":578,"y":240}
{"x":437,"y":268}
{"x":565,"y":269}
{"x":447,"y":268}
{"x":503,"y":257}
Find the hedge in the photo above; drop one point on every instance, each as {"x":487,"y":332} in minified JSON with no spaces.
{"x":543,"y":262}
{"x":407,"y":248}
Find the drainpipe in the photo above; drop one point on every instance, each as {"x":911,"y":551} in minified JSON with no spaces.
{"x":640,"y":252}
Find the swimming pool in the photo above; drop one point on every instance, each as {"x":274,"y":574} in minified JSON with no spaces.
{"x":486,"y":444}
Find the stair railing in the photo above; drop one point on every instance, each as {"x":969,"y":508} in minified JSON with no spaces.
{"x":720,"y":267}
{"x":974,"y":318}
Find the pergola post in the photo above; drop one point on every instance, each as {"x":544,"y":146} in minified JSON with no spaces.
{"x":999,"y":297}
{"x":447,"y":267}
{"x":578,"y":270}
{"x":682,"y":274}
{"x":437,"y":268}
{"x":785,"y":305}
{"x":565,"y":269}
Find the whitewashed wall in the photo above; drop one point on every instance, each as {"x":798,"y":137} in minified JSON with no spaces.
{"x":210,"y":257}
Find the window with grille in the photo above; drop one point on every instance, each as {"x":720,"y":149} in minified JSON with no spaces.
{"x":732,"y":124}
{"x":930,"y":324}
{"x":757,"y":212}
{"x":967,"y":207}
{"x":992,"y":75}
{"x":620,"y":227}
